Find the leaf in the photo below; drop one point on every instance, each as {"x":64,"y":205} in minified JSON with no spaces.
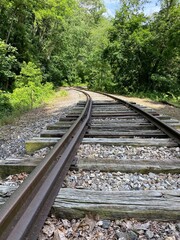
{"x":88,"y":222}
{"x":59,"y":235}
{"x":48,"y":229}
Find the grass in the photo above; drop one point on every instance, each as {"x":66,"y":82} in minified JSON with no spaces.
{"x":9,"y":118}
{"x":15,"y":114}
{"x":158,"y":97}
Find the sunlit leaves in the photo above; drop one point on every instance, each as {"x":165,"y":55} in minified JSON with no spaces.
{"x":7,"y":63}
{"x":30,"y":75}
{"x":144,"y":51}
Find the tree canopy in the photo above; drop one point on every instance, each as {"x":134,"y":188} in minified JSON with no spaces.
{"x":144,"y":50}
{"x":73,"y":42}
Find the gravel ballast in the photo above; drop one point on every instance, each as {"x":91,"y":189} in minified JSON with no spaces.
{"x":13,"y":137}
{"x":117,"y":181}
{"x":31,"y":124}
{"x":90,"y":228}
{"x":128,"y":152}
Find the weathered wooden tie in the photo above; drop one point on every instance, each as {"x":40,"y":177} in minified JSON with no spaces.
{"x":126,"y":133}
{"x":110,"y":134}
{"x":143,"y":166}
{"x":14,"y":166}
{"x":105,"y":115}
{"x":150,"y":204}
{"x":37,"y":143}
{"x":142,"y":205}
{"x":112,"y":126}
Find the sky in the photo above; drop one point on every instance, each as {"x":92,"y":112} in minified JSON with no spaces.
{"x":113,"y":5}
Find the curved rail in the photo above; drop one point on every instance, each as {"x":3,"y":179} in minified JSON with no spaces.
{"x":168,"y":130}
{"x":23,"y":215}
{"x":171,"y":132}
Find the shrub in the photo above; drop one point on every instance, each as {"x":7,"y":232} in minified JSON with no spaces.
{"x":5,"y":106}
{"x":29,"y":91}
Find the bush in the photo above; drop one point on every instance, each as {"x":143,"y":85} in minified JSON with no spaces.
{"x":22,"y":98}
{"x":26,"y":98}
{"x":5,"y":106}
{"x":29,"y":91}
{"x":8,"y":63}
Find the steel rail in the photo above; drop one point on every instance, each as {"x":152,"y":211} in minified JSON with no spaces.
{"x":24,"y":213}
{"x":168,"y":130}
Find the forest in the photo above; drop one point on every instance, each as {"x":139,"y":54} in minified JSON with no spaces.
{"x":50,"y":43}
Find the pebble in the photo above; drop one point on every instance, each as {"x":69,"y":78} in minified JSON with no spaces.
{"x":100,"y":223}
{"x":132,"y":235}
{"x":117,"y":181}
{"x":178,"y":226}
{"x":149,"y":234}
{"x":121,"y":235}
{"x":28,"y":126}
{"x":128,"y":152}
{"x":12,"y":142}
{"x":122,"y":229}
{"x":106,"y":224}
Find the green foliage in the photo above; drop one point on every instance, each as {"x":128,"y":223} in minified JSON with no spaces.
{"x":26,"y":98}
{"x":8,"y":61}
{"x":57,"y":36}
{"x":62,"y":93}
{"x":54,"y":41}
{"x":30,"y":76}
{"x":70,"y":42}
{"x":97,"y":70}
{"x":30,"y":91}
{"x":93,"y":10}
{"x":5,"y":106}
{"x":78,"y":55}
{"x":144,"y":52}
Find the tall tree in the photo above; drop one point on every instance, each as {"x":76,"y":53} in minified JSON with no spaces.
{"x":93,"y":9}
{"x":71,"y":58}
{"x":8,"y":63}
{"x":17,"y":25}
{"x":144,"y":51}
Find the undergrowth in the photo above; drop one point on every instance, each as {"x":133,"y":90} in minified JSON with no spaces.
{"x":12,"y":106}
{"x":158,"y":97}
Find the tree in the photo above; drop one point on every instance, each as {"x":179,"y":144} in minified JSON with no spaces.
{"x":17,"y":26}
{"x":29,"y":89}
{"x":30,"y":75}
{"x":97,"y":69}
{"x":165,"y":72}
{"x":93,"y":10}
{"x":144,"y":52}
{"x":8,"y":63}
{"x":72,"y":57}
{"x":34,"y":28}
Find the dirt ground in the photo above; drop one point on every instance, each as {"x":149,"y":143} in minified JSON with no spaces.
{"x":74,"y":96}
{"x":161,"y":108}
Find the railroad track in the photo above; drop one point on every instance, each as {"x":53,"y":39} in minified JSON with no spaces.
{"x":111,"y":122}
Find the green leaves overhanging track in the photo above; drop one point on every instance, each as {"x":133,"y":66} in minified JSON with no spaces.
{"x":25,"y":212}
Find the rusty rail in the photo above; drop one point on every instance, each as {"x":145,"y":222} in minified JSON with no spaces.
{"x":169,"y":131}
{"x":23,"y":215}
{"x":165,"y":128}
